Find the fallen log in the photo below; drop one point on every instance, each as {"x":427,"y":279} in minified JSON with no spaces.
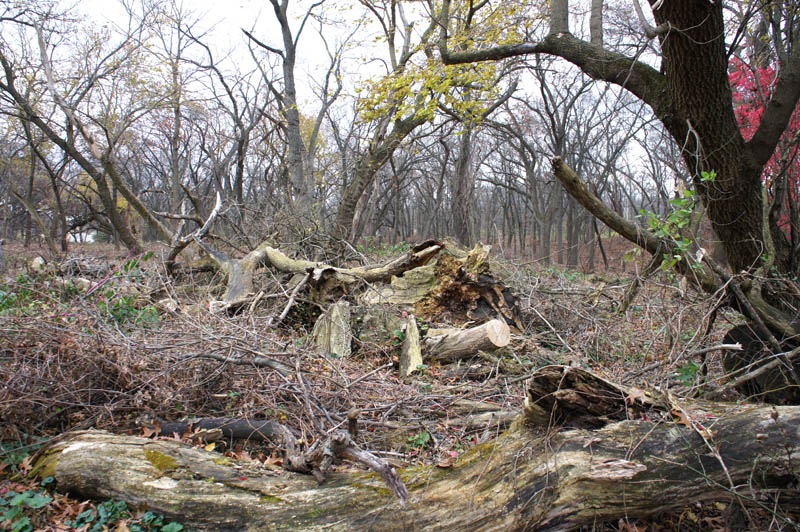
{"x":657,"y":456}
{"x":240,"y":271}
{"x":229,"y":428}
{"x":446,"y":345}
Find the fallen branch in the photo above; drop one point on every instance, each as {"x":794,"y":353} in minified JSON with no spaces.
{"x":451,"y":344}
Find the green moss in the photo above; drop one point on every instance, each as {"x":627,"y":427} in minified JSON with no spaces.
{"x":313,"y":514}
{"x":478,"y":452}
{"x":223,"y":461}
{"x":45,"y":466}
{"x":271,"y":499}
{"x":160,"y":461}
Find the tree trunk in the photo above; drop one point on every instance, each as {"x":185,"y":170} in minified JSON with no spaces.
{"x":463,"y":185}
{"x":380,"y":149}
{"x":598,"y":466}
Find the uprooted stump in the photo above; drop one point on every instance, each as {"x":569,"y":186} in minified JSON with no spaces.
{"x":454,"y":288}
{"x":531,"y":477}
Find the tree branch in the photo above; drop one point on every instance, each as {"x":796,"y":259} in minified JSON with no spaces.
{"x":641,"y":80}
{"x":777,"y":113}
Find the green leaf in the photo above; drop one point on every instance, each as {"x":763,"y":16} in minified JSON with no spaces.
{"x":172,"y":527}
{"x":38,"y":501}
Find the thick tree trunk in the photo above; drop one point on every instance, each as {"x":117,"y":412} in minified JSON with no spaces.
{"x":380,"y":149}
{"x":705,"y":125}
{"x":600,"y":466}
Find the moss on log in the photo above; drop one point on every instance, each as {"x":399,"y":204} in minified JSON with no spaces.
{"x":529,"y":478}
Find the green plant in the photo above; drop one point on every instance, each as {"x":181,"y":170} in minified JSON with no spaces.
{"x":419,"y":440}
{"x":686,"y":373}
{"x":125,"y":312}
{"x":374,"y":247}
{"x":677,"y":220}
{"x":16,"y":503}
{"x":397,"y":337}
{"x":132,"y":268}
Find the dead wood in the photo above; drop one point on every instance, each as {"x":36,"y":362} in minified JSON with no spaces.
{"x":411,"y":350}
{"x":644,"y":454}
{"x":451,"y":344}
{"x":325,"y":279}
{"x":332,"y":332}
{"x":230,"y":428}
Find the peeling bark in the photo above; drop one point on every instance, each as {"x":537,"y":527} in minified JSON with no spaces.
{"x":529,"y":478}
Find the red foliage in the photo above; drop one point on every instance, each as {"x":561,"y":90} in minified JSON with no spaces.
{"x":752,"y":88}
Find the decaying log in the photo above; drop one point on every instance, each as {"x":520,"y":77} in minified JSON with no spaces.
{"x":411,"y":350}
{"x":447,"y":345}
{"x":229,"y":428}
{"x":529,"y":478}
{"x":239,"y":271}
{"x":332,"y":332}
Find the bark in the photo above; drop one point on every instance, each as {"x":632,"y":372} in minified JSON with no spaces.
{"x":411,"y":350}
{"x":463,"y":187}
{"x":452,"y":344}
{"x":380,"y":149}
{"x":237,"y":429}
{"x":692,"y":98}
{"x":596,"y":23}
{"x":332,"y":333}
{"x":600,"y":465}
{"x":239,"y":272}
{"x":637,"y":234}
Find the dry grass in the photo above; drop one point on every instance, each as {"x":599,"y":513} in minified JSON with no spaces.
{"x":68,"y":360}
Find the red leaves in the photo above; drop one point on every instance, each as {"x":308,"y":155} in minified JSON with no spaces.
{"x":752,"y":88}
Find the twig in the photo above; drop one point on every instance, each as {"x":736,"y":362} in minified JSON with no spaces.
{"x":257,"y":361}
{"x":780,"y":359}
{"x":292,"y":298}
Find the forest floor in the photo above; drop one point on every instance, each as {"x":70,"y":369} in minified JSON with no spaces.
{"x":121,"y":358}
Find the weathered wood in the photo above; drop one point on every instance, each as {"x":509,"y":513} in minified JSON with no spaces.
{"x":528,"y":478}
{"x":230,"y":428}
{"x":451,"y":344}
{"x":239,"y":271}
{"x":332,"y":332}
{"x":411,"y":350}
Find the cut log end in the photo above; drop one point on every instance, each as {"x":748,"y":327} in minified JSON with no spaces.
{"x":453,"y":344}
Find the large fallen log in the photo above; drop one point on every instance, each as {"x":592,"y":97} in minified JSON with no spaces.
{"x":642,"y":456}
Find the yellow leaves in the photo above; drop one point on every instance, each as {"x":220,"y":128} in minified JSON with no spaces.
{"x":419,"y":88}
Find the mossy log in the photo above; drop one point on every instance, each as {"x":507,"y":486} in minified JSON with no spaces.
{"x":528,"y":478}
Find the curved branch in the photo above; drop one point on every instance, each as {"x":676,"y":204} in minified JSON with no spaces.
{"x":636,"y":234}
{"x":641,"y":80}
{"x":777,"y":113}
